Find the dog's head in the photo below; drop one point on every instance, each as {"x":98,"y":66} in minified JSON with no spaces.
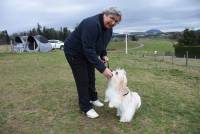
{"x":119,"y":80}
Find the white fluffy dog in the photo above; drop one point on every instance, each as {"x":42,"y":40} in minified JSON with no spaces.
{"x":119,"y":96}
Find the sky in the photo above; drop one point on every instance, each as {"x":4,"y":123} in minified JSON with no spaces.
{"x":138,"y":15}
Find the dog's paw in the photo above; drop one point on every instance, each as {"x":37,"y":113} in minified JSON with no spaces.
{"x":106,"y":100}
{"x":110,"y":105}
{"x":118,"y":113}
{"x":122,"y":119}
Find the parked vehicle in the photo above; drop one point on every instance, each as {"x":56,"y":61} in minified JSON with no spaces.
{"x":57,"y":44}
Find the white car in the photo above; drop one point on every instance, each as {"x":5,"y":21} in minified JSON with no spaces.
{"x":57,"y":44}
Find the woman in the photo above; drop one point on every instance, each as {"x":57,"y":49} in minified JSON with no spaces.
{"x":85,"y":50}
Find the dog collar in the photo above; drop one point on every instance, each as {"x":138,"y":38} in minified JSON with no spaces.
{"x":126,"y":93}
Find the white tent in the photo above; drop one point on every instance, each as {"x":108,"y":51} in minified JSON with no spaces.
{"x":20,"y":44}
{"x":38,"y":43}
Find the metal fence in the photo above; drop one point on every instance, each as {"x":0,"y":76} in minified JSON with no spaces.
{"x":170,"y":58}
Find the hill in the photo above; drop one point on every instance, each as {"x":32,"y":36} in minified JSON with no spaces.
{"x":154,"y":31}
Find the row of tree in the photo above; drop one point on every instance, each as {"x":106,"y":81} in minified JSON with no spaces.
{"x":49,"y":33}
{"x":4,"y":37}
{"x":189,"y":38}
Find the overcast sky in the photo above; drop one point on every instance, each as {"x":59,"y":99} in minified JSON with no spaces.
{"x":138,"y":15}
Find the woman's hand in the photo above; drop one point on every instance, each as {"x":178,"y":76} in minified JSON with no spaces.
{"x":107,"y":73}
{"x":102,"y":60}
{"x":106,"y":59}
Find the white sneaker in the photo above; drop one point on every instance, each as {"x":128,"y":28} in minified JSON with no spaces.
{"x":92,"y":114}
{"x":97,"y":103}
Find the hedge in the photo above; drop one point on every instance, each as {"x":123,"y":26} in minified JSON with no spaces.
{"x":193,"y":51}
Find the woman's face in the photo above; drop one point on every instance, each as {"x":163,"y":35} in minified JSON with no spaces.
{"x":110,"y":20}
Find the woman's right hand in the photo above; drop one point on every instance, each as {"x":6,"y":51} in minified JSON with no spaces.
{"x":107,"y":73}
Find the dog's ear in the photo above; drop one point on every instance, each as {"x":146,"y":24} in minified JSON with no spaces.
{"x":123,"y":82}
{"x":124,"y":71}
{"x":121,"y":85}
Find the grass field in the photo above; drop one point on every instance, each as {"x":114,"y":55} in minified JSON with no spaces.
{"x":38,"y":95}
{"x":160,"y":45}
{"x":4,"y":48}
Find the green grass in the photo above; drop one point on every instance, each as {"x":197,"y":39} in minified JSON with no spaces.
{"x":120,"y":45}
{"x":4,"y":48}
{"x":38,"y":96}
{"x":160,"y":45}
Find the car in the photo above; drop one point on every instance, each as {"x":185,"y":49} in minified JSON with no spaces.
{"x":56,"y":44}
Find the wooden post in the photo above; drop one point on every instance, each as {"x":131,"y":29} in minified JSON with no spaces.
{"x":186,"y":58}
{"x":34,"y":46}
{"x":11,"y":46}
{"x":155,"y":55}
{"x":163,"y":57}
{"x":126,"y":43}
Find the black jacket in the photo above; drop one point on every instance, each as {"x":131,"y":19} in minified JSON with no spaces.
{"x":89,"y":39}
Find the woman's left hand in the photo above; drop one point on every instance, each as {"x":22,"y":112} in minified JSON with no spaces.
{"x":106,"y":59}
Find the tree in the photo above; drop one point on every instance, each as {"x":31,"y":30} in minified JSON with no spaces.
{"x":49,"y":33}
{"x":175,"y":36}
{"x":66,"y":32}
{"x":33,"y":32}
{"x":4,"y":37}
{"x":198,"y":37}
{"x":39,"y":28}
{"x":133,"y":38}
{"x":188,"y":38}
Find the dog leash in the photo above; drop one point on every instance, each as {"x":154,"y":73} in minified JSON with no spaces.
{"x":108,"y":65}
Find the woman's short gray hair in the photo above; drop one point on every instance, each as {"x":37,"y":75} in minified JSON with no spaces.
{"x":112,"y":11}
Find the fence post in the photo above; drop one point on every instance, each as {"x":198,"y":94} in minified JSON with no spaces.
{"x":11,"y":46}
{"x":155,"y":55}
{"x":163,"y":56}
{"x":172,"y":58}
{"x":186,"y":58}
{"x":126,"y":40}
